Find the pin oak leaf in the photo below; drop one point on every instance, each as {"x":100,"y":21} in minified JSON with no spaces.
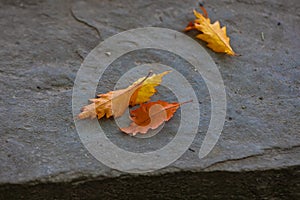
{"x":213,"y":34}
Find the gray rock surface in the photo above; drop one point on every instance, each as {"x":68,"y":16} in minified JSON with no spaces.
{"x":44,"y":42}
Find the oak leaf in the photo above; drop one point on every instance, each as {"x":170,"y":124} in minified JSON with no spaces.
{"x":213,"y":34}
{"x":150,"y":116}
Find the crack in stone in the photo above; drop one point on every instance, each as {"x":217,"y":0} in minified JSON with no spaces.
{"x":84,"y":22}
{"x":265,"y":151}
{"x":232,"y":160}
{"x":281,"y":149}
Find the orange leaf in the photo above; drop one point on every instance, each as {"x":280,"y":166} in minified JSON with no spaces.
{"x":213,"y":34}
{"x":113,"y":103}
{"x":150,"y":116}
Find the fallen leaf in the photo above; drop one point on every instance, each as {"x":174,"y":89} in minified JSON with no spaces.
{"x":143,"y":93}
{"x":150,"y":116}
{"x":113,"y":103}
{"x":213,"y":34}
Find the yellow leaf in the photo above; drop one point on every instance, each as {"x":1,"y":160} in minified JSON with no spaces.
{"x":213,"y":34}
{"x":143,"y":93}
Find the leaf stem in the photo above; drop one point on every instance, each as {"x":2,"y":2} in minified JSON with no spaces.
{"x":203,"y":10}
{"x":189,"y":101}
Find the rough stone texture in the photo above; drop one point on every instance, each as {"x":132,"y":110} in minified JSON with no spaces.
{"x":43,"y":44}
